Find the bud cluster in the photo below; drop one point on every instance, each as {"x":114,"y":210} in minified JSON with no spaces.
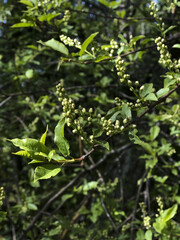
{"x":120,"y":66}
{"x":2,"y":195}
{"x":70,"y":42}
{"x":66,"y":16}
{"x":76,"y":118}
{"x":146,"y":218}
{"x":160,"y":205}
{"x":154,"y":12}
{"x":165,"y":56}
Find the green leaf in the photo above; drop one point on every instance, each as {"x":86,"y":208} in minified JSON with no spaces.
{"x":133,"y":137}
{"x":97,"y":132}
{"x":48,"y":17}
{"x":101,"y":58}
{"x":126,"y":111}
{"x":56,"y":45}
{"x":32,"y":206}
{"x":151,"y":97}
{"x":147,"y":88}
{"x":166,"y":215}
{"x":148,"y":235}
{"x":27,"y":24}
{"x":26,"y":2}
{"x":154,"y":132}
{"x":87,"y":42}
{"x":162,"y":92}
{"x":176,"y":45}
{"x":59,"y":139}
{"x":29,"y":73}
{"x":135,"y":39}
{"x":104,"y":2}
{"x":46,"y":171}
{"x":114,"y":4}
{"x":43,"y":138}
{"x":169,"y":213}
{"x":66,"y":196}
{"x":140,"y":235}
{"x":31,"y":155}
{"x":103,"y":144}
{"x":170,"y":28}
{"x":53,"y":155}
{"x":30,"y":144}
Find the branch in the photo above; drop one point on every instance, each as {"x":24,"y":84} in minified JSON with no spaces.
{"x":119,"y":18}
{"x":162,"y":99}
{"x":52,"y":199}
{"x":136,"y":202}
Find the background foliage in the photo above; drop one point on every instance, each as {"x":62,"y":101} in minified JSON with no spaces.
{"x":124,"y":181}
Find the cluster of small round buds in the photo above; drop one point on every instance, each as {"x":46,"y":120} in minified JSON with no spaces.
{"x":165,"y":56}
{"x":118,"y":101}
{"x":2,"y":195}
{"x":70,"y":42}
{"x":114,"y":44}
{"x":122,"y":44}
{"x":66,"y":15}
{"x":121,"y":70}
{"x":146,"y":221}
{"x":160,"y":204}
{"x":154,"y":9}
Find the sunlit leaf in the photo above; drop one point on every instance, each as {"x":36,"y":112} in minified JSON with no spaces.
{"x":86,"y":43}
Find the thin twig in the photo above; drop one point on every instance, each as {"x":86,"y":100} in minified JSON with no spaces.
{"x":108,"y":215}
{"x":136,"y":203}
{"x":47,"y":204}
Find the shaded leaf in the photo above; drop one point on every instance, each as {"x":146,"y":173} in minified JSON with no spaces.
{"x":151,"y":97}
{"x":162,"y":92}
{"x":59,"y":138}
{"x":86,"y":43}
{"x":154,"y":132}
{"x":46,"y":171}
{"x":148,"y":88}
{"x":56,"y":45}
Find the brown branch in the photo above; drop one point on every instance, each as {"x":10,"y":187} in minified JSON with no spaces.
{"x":76,"y":215}
{"x":47,"y":204}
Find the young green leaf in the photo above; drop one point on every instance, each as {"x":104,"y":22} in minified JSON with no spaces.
{"x":59,"y":138}
{"x":147,"y":88}
{"x":104,"y":2}
{"x":56,"y":45}
{"x":30,"y":155}
{"x":43,"y":138}
{"x":162,"y":92}
{"x":27,"y":24}
{"x":126,"y":111}
{"x":30,"y":145}
{"x":154,"y":132}
{"x":26,"y":2}
{"x":46,"y":171}
{"x":87,"y":42}
{"x":148,"y":235}
{"x":151,"y":97}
